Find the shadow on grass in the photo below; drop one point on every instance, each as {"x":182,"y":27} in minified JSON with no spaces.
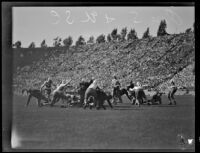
{"x":127,"y":107}
{"x":133,"y":107}
{"x":63,"y":106}
{"x":166,"y":105}
{"x":120,"y":106}
{"x":162,"y":105}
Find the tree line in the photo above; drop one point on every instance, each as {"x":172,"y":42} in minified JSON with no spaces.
{"x":114,"y":36}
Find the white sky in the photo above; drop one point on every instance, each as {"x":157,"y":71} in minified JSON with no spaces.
{"x":34,"y":24}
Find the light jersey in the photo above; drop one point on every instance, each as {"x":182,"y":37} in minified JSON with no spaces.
{"x":93,"y":85}
{"x":173,"y":86}
{"x":135,"y":88}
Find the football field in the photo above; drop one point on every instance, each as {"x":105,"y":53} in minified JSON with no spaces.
{"x":124,"y":127}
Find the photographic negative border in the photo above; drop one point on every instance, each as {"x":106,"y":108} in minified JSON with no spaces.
{"x":7,"y":65}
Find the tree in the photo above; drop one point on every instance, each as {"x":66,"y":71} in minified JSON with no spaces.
{"x":114,"y":34}
{"x":57,"y":42}
{"x":162,"y":28}
{"x":68,"y":42}
{"x":132,"y":35}
{"x":43,"y":44}
{"x":188,"y":30}
{"x":32,"y":45}
{"x":80,"y":41}
{"x":118,"y":37}
{"x":109,"y":38}
{"x":146,"y":34}
{"x":91,"y":40}
{"x":123,"y":33}
{"x":17,"y":44}
{"x":100,"y":39}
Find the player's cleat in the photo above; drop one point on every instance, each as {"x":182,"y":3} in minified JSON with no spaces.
{"x":174,"y":102}
{"x":149,"y":103}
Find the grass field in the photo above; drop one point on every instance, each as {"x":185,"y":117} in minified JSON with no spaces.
{"x":124,"y":127}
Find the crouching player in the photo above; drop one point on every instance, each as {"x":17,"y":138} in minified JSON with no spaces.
{"x":102,"y":97}
{"x":91,"y":91}
{"x":156,"y":98}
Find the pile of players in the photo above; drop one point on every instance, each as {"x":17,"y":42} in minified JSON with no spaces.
{"x":92,"y":96}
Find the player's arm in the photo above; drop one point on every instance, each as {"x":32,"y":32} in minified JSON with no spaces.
{"x":67,"y":83}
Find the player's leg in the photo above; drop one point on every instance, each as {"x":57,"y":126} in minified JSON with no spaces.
{"x":98,"y":105}
{"x":114,"y":96}
{"x":137,"y":102}
{"x":48,"y":94}
{"x":120,"y":99}
{"x":82,"y":98}
{"x":39,"y":102}
{"x":45,"y":99}
{"x":86,"y":96}
{"x":172,"y":96}
{"x":55,"y":99}
{"x":160,"y":100}
{"x":169,"y":97}
{"x":133,"y":100}
{"x":28,"y":101}
{"x":109,"y":103}
{"x":115,"y":100}
{"x":141,"y":96}
{"x":103,"y":107}
{"x":126,"y":93}
{"x":132,"y":97}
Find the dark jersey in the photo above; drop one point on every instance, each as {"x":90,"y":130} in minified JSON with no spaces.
{"x":115,"y":83}
{"x":84,"y":85}
{"x":130,"y":86}
{"x":47,"y":84}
